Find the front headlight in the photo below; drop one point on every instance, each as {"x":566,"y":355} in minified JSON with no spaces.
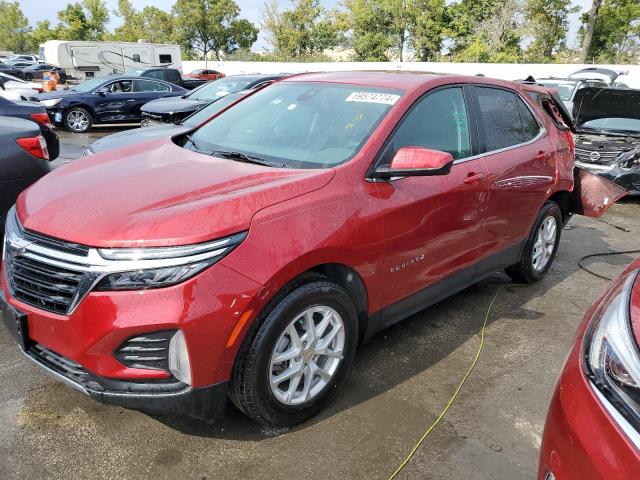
{"x":162,"y":266}
{"x":611,"y":351}
{"x":52,"y":102}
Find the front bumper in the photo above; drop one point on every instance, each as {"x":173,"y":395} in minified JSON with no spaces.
{"x":581,"y":440}
{"x":79,"y":349}
{"x":627,"y":178}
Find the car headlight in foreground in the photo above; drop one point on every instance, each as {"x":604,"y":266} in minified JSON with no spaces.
{"x":611,"y":352}
{"x":52,"y":102}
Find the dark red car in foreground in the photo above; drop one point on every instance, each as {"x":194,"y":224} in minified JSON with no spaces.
{"x":249,"y":257}
{"x":593,"y":426}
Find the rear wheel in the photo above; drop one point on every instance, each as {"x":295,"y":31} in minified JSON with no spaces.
{"x":298,"y":357}
{"x":540,"y":247}
{"x":78,"y":120}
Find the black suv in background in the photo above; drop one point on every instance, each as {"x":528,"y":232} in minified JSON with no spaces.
{"x":171,"y":75}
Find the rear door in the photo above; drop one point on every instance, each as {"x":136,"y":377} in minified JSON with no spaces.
{"x":520,"y":160}
{"x":433,"y":225}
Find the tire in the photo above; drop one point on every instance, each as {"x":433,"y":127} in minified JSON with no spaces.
{"x":540,"y":247}
{"x":77,"y":120}
{"x":253,"y":387}
{"x":28,"y":77}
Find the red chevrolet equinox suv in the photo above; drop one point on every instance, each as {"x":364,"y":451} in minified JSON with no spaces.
{"x":247,"y":258}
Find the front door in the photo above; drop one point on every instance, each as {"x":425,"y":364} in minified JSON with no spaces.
{"x":433,"y":226}
{"x":116,"y":104}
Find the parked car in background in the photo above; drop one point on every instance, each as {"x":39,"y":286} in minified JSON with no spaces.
{"x":39,"y":70}
{"x":9,"y":70}
{"x":593,"y":424}
{"x":115,"y":99}
{"x":19,"y":64}
{"x":23,"y":160}
{"x":13,"y":88}
{"x":568,"y":88}
{"x":168,"y":75}
{"x":160,"y":130}
{"x":608,"y":134}
{"x":205,"y":74}
{"x":399,"y":180}
{"x":22,"y":57}
{"x":173,"y":110}
{"x":36,"y":113}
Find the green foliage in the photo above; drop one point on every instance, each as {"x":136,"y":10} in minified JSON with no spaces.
{"x":306,"y":29}
{"x":616,"y":38}
{"x":212,"y":26}
{"x":463,"y":19}
{"x":382,"y":29}
{"x":83,"y":21}
{"x":14,"y":28}
{"x":547,"y":24}
{"x":151,"y":24}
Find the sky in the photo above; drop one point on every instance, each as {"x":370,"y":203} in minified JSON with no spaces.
{"x":37,"y":10}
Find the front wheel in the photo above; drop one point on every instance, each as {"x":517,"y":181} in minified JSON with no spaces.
{"x":540,"y":247}
{"x":77,"y":120}
{"x":298,"y":357}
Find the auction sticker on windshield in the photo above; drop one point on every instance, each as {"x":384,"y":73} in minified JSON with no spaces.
{"x":372,"y":97}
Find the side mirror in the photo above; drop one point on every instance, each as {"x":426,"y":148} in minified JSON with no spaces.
{"x":417,"y":161}
{"x":103,"y":91}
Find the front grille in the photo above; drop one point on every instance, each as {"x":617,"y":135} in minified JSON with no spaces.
{"x":150,"y":351}
{"x":604,"y":157}
{"x":43,"y":286}
{"x":60,"y":245}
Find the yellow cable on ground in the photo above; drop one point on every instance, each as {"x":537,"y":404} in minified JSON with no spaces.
{"x":455,"y":394}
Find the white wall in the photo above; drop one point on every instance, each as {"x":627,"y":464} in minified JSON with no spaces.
{"x":496,"y":70}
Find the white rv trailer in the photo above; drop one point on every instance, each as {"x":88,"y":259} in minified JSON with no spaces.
{"x":84,"y":60}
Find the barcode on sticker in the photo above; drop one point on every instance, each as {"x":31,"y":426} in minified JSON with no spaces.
{"x":372,"y":97}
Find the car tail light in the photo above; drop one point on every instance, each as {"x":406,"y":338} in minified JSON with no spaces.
{"x":41,"y":118}
{"x":38,"y":89}
{"x":36,"y":146}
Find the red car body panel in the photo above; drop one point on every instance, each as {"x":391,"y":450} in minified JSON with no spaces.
{"x":581,"y":440}
{"x":199,"y":74}
{"x":159,"y":194}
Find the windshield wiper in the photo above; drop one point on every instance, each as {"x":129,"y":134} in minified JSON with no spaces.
{"x":192,"y":141}
{"x":244,"y":158}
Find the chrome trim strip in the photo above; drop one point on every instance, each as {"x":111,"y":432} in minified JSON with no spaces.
{"x":593,"y":166}
{"x":542,"y":132}
{"x":631,"y":433}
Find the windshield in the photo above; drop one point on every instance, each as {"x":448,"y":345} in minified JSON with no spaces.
{"x":614,"y":124}
{"x":213,"y":108}
{"x":565,"y":89}
{"x":299,"y":125}
{"x":88,"y":85}
{"x":219,"y":88}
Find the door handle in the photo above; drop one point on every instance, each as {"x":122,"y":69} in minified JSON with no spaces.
{"x":474,"y":177}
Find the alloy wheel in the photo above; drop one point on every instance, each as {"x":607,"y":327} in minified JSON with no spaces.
{"x":307,"y":355}
{"x":544,"y":244}
{"x":78,"y":120}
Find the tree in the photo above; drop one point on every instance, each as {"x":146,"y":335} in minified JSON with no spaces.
{"x":464,"y":18}
{"x":427,"y":29}
{"x":213,"y":26}
{"x":157,"y":25}
{"x":588,"y":34}
{"x":97,"y":18}
{"x":616,"y":32}
{"x":14,"y":28}
{"x":370,"y":29}
{"x":131,"y":29}
{"x":42,"y":33}
{"x":497,"y":38}
{"x":547,"y":23}
{"x":304,"y":30}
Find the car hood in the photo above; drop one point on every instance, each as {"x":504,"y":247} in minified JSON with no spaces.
{"x":136,"y":135}
{"x":57,"y":94}
{"x":157,"y":194}
{"x":173,"y":105}
{"x":593,"y":103}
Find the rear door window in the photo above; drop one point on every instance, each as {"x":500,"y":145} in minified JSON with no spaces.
{"x":530,"y":127}
{"x":150,"y":86}
{"x":499,"y":118}
{"x":438,"y":121}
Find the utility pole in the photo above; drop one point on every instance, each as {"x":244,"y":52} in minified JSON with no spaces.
{"x":588,"y":34}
